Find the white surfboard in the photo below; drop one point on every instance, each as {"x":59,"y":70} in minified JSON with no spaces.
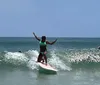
{"x":46,"y":68}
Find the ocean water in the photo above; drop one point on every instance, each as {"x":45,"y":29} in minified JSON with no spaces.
{"x":76,"y":59}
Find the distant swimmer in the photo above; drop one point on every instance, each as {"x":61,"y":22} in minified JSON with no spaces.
{"x":20,"y":51}
{"x":43,"y":48}
{"x":99,"y":47}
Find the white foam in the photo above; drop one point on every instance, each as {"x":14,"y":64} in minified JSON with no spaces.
{"x":15,"y":58}
{"x":32,"y":62}
{"x":28,"y":58}
{"x":32,"y":53}
{"x":88,"y":55}
{"x":58,"y":63}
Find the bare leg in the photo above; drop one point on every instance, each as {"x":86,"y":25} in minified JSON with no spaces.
{"x":45,"y":57}
{"x":39,"y":58}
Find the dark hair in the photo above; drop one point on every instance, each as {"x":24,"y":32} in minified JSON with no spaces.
{"x":43,"y":37}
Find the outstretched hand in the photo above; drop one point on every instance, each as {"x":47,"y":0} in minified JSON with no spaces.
{"x":55,"y":40}
{"x":33,"y":33}
{"x":36,"y":36}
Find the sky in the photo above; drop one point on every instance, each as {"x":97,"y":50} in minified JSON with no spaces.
{"x":53,"y":18}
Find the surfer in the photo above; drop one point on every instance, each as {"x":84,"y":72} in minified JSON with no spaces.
{"x":43,"y":50}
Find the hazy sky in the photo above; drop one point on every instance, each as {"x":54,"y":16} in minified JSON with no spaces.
{"x":62,"y":18}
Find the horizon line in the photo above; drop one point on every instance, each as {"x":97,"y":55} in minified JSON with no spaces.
{"x":47,"y":37}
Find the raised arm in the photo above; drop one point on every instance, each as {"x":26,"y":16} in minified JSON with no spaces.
{"x":36,"y":37}
{"x":51,"y":42}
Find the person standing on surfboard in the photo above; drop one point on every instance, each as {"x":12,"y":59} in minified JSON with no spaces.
{"x":43,"y":44}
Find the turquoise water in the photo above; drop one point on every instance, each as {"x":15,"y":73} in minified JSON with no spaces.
{"x":76,"y":59}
